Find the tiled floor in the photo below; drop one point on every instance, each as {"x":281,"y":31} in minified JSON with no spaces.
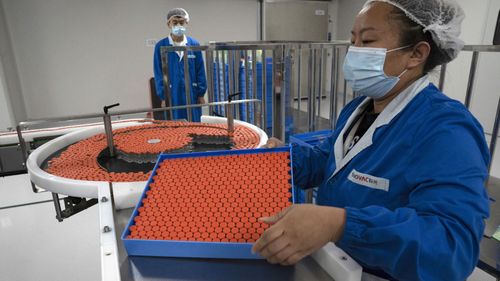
{"x":34,"y":246}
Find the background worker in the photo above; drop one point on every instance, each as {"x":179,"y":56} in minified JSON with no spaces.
{"x":177,"y":21}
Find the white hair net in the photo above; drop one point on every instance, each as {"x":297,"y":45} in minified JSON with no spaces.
{"x":442,"y":18}
{"x":178,"y":12}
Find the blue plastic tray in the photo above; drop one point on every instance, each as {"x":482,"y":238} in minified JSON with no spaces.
{"x":171,"y":248}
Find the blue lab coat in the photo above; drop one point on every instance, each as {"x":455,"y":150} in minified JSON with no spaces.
{"x":197,"y":78}
{"x":413,"y":188}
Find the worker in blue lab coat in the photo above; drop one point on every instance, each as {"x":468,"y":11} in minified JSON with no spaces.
{"x":401,"y":178}
{"x":177,"y":20}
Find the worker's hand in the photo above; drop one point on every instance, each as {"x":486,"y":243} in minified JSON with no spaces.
{"x":298,"y":231}
{"x":272,"y":143}
{"x":201,"y":100}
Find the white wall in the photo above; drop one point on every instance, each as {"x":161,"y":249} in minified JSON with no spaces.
{"x":333,"y":18}
{"x":347,"y":11}
{"x":6,"y":117}
{"x":10,"y":88}
{"x":487,"y":85}
{"x":75,"y":56}
{"x":477,"y":32}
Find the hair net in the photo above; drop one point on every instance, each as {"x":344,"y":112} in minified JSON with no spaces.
{"x":178,"y":12}
{"x":442,"y":18}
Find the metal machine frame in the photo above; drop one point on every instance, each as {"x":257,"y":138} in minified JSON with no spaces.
{"x":287,"y":60}
{"x":74,"y":205}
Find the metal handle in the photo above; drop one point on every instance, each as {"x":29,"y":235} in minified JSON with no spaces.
{"x":107,"y":107}
{"x":108,"y":128}
{"x":229,"y":110}
{"x":230,"y":97}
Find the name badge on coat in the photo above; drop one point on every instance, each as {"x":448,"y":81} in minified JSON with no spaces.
{"x":369,"y":180}
{"x":190,"y":56}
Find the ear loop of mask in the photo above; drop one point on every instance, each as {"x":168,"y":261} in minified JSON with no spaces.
{"x":404,"y":71}
{"x":400,"y":48}
{"x":397,"y":49}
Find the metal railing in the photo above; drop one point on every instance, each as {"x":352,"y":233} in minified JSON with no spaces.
{"x":107,"y":117}
{"x":279,"y":74}
{"x":285,"y":83}
{"x":282,"y":86}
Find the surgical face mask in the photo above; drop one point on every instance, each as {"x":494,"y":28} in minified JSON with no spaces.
{"x":364,"y":71}
{"x":178,"y":30}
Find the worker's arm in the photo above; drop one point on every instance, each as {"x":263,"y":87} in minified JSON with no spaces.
{"x":309,"y":162}
{"x":158,"y":72}
{"x":436,"y":235}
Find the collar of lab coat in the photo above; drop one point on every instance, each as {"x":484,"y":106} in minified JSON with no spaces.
{"x":392,"y":109}
{"x":183,"y":43}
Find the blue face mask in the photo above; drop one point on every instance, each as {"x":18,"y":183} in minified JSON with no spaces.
{"x":178,"y":30}
{"x":364,"y":71}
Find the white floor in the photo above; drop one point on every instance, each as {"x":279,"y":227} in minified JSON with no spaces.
{"x":34,"y":246}
{"x":15,"y":190}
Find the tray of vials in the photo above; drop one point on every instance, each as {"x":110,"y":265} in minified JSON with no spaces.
{"x":207,"y":204}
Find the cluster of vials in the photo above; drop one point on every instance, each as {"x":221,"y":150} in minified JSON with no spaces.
{"x":214,"y":198}
{"x":79,"y":160}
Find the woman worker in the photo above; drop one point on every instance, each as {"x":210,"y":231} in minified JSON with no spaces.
{"x":401,"y":178}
